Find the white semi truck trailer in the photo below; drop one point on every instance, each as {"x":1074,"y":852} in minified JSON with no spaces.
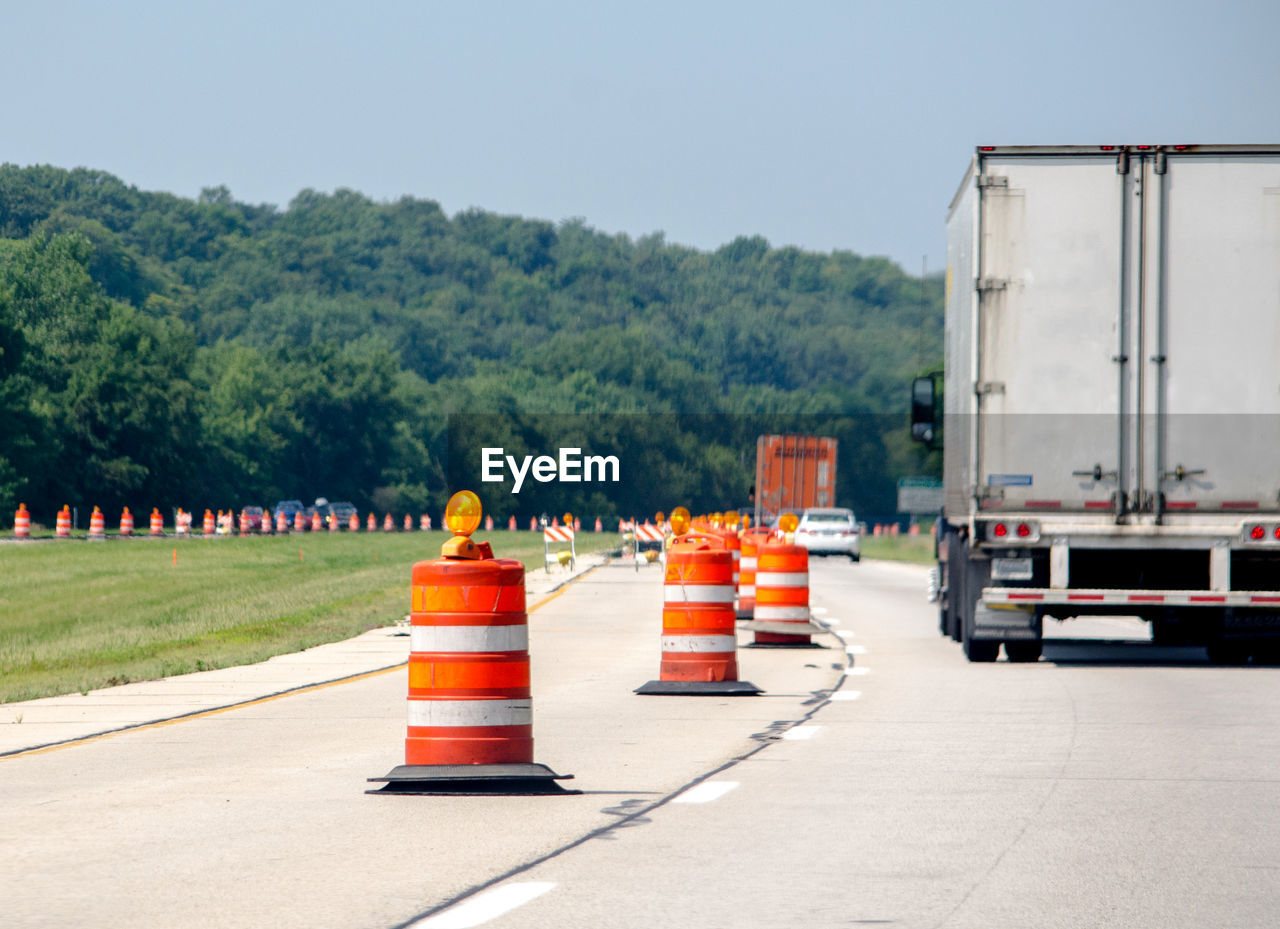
{"x":1110,"y":407}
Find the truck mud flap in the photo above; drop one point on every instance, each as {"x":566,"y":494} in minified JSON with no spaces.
{"x":993,"y":623}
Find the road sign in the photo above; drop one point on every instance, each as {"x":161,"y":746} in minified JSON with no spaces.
{"x":919,"y":495}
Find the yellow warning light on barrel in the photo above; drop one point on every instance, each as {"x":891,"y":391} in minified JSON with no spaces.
{"x":746,"y":523}
{"x":568,"y":519}
{"x":680,"y":520}
{"x":788,"y":522}
{"x":463,"y":512}
{"x":659,"y":517}
{"x":732,"y":519}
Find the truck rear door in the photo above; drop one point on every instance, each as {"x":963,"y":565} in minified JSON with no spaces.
{"x":1212,"y":349}
{"x":1054,"y":247}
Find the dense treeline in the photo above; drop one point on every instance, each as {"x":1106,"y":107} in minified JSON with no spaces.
{"x":159,"y":351}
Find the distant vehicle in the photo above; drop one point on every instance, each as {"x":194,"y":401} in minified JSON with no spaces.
{"x":793,"y":472}
{"x":342,"y":511}
{"x":830,"y":531}
{"x":288,"y":507}
{"x":254,"y":515}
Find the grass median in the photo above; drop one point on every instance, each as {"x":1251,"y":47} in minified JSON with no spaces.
{"x":75,"y":616}
{"x":917,"y":549}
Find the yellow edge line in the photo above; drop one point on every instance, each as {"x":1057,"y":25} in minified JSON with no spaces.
{"x":306,"y":688}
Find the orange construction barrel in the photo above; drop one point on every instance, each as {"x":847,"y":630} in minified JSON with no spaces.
{"x":97,"y":524}
{"x":62,"y":528}
{"x":126,"y":523}
{"x":782,"y":596}
{"x":470,"y":710}
{"x":699,"y":642}
{"x":22,"y":522}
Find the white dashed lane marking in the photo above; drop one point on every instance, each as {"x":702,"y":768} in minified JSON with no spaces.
{"x":800,"y":733}
{"x":486,"y":907}
{"x":706,"y":792}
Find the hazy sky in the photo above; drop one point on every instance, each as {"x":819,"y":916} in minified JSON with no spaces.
{"x":820,"y":124}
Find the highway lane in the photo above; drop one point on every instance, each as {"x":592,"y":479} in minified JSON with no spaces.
{"x":1111,"y":785}
{"x":257,"y":815}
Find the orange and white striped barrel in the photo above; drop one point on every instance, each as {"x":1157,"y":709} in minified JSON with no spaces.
{"x":209,"y":527}
{"x":316,"y":522}
{"x":22,"y":522}
{"x":62,"y":529}
{"x":388,"y":524}
{"x":126,"y":523}
{"x":264,"y":524}
{"x":599,"y":524}
{"x":698,"y":639}
{"x":97,"y":524}
{"x":424,"y":522}
{"x":353,"y":523}
{"x":244,"y":522}
{"x":782,"y":591}
{"x":469,"y":698}
{"x":282,"y":522}
{"x":488,"y":523}
{"x":334,"y":523}
{"x":408,"y":523}
{"x":511,"y":524}
{"x":751,"y":541}
{"x":371,"y":524}
{"x":734,"y":545}
{"x":157,"y":522}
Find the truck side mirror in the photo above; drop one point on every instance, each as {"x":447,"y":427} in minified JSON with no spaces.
{"x":924,"y":409}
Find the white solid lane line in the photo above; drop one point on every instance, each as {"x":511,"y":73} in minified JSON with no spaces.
{"x":799,"y":733}
{"x":846,"y":633}
{"x":487,"y":906}
{"x":819,"y":610}
{"x":846,"y":695}
{"x":706,"y":792}
{"x":855,"y":649}
{"x":851,"y":672}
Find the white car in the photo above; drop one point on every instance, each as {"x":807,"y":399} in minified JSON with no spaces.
{"x":830,"y":531}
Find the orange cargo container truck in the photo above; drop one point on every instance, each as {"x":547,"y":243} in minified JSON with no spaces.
{"x":793,"y":472}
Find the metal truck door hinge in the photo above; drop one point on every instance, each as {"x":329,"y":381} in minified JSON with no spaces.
{"x":1122,"y":163}
{"x":988,"y":387}
{"x":992,"y":180}
{"x":988,"y":284}
{"x":1162,"y":162}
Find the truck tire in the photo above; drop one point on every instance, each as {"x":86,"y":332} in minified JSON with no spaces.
{"x":1024,"y":650}
{"x":977,"y":650}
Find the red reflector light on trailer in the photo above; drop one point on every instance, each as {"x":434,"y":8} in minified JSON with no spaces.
{"x":1277,"y":533}
{"x":1144,"y":148}
{"x":1001,"y":530}
{"x":1258,"y":533}
{"x":1107,"y":148}
{"x":1181,"y":148}
{"x":986,"y":148}
{"x":1024,"y":530}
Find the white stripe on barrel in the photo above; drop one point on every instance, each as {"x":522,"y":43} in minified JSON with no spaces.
{"x":469,"y":638}
{"x":772,"y":613}
{"x":748,"y":563}
{"x":747,"y":590}
{"x":501,"y":712}
{"x":699,"y":643}
{"x":698,"y":593}
{"x":783,"y":579}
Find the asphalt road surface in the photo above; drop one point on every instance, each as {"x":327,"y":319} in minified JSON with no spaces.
{"x":881,"y":780}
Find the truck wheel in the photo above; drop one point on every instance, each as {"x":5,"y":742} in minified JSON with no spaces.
{"x":981,"y":651}
{"x":1023,"y":650}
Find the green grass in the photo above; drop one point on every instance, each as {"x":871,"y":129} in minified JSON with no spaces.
{"x":75,"y":616}
{"x":915,"y":549}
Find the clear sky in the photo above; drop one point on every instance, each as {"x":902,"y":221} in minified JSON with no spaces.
{"x":822,"y":124}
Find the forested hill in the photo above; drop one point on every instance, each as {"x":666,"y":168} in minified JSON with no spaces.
{"x":160,"y":351}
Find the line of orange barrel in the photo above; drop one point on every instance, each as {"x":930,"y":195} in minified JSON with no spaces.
{"x":228,"y":524}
